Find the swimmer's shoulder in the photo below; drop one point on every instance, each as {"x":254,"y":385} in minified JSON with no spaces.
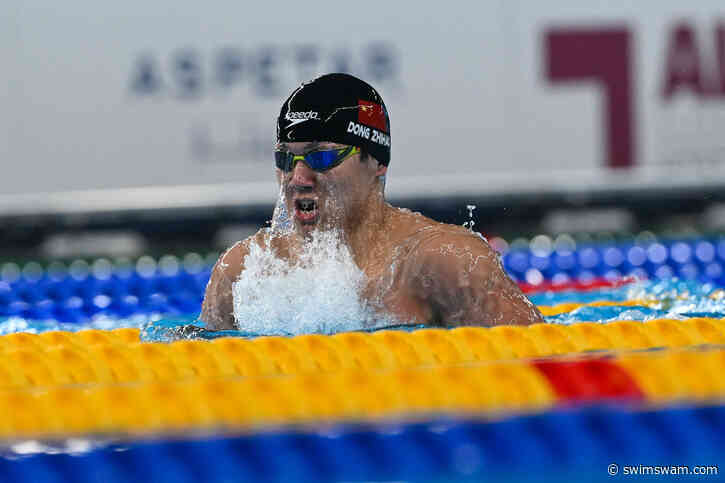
{"x":417,"y":230}
{"x":431,"y":245}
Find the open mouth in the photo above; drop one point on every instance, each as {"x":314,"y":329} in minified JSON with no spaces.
{"x":306,"y":210}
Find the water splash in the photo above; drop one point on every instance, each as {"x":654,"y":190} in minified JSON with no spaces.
{"x":182,"y":328}
{"x":178,"y":328}
{"x":281,"y":221}
{"x":469,"y":224}
{"x":316,"y":292}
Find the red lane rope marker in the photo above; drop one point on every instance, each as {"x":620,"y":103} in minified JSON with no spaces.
{"x":594,"y":284}
{"x":589,"y":380}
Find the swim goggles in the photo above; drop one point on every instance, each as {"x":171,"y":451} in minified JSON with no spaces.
{"x":317,"y":160}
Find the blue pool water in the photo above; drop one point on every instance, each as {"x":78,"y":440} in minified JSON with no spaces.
{"x":673,"y":298}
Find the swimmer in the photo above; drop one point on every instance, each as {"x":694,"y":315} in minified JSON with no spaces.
{"x":331,"y":157}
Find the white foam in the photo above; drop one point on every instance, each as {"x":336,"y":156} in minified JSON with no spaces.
{"x":318,"y":293}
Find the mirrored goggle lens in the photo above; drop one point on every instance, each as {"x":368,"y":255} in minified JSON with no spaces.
{"x":324,"y":160}
{"x":317,"y":160}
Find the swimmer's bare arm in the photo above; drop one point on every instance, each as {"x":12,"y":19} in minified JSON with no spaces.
{"x":217,"y":310}
{"x":464,"y":283}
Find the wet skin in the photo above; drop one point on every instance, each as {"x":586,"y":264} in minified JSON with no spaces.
{"x":417,"y":270}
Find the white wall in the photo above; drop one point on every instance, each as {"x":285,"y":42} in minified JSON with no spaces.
{"x":472,"y":111}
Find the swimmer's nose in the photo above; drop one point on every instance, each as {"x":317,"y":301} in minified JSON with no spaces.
{"x":303,"y":175}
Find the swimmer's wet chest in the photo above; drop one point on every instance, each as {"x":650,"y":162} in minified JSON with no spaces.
{"x":388,"y":285}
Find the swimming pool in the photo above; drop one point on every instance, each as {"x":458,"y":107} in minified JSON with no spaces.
{"x":628,"y":374}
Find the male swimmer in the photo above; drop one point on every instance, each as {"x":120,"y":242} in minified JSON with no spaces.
{"x":331,"y":156}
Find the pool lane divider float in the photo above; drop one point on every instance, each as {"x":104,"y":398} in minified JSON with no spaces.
{"x":117,"y":356}
{"x":491,"y":390}
{"x":575,"y":285}
{"x":106,"y":382}
{"x":563,"y":308}
{"x":570,"y":444}
{"x":97,"y":356}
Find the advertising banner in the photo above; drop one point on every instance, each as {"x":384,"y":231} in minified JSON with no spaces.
{"x":135,"y":105}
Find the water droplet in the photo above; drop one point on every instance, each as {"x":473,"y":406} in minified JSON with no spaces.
{"x":469,"y":224}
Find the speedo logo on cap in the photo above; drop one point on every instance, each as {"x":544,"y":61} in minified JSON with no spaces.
{"x":300,"y":116}
{"x":291,"y":116}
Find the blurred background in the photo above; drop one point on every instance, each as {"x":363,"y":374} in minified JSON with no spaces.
{"x":147,"y":129}
{"x":585,"y":139}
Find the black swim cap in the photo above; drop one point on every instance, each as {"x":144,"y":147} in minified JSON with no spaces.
{"x":339,"y":108}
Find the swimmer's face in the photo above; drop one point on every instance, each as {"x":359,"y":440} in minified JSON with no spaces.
{"x":332,"y":199}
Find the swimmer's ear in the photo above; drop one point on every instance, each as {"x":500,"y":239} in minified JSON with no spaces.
{"x":382,"y":169}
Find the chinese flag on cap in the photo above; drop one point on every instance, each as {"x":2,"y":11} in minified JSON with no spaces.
{"x":372,"y":115}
